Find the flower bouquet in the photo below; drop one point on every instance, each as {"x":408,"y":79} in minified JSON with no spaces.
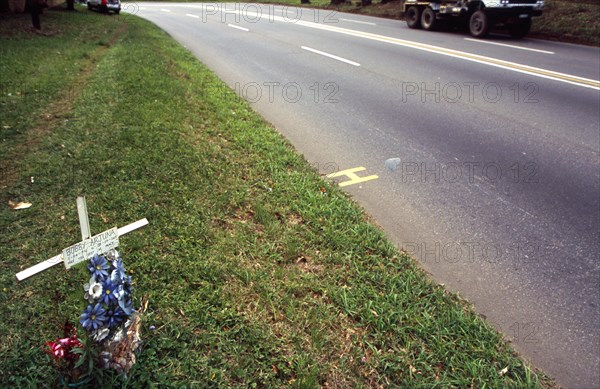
{"x":110,"y":319}
{"x":111,"y":322}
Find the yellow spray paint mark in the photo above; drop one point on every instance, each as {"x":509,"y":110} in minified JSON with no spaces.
{"x":351,"y":174}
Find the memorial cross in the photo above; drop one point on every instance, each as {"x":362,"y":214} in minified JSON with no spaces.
{"x":89,"y":245}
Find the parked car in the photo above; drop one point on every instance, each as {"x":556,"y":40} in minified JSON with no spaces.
{"x":105,"y":5}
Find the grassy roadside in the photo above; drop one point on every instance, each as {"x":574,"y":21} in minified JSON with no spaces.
{"x":258,"y":272}
{"x":570,"y":21}
{"x":563,"y":20}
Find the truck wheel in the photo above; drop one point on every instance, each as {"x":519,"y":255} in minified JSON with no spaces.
{"x":479,"y":24}
{"x":428,"y":20}
{"x":413,"y":17}
{"x":520,"y":30}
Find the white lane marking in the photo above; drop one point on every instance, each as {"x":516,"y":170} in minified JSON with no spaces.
{"x":507,"y":45}
{"x":165,"y":10}
{"x":330,"y":56}
{"x":238,"y":27}
{"x":142,"y":8}
{"x":358,"y":21}
{"x":193,"y":16}
{"x":489,"y":61}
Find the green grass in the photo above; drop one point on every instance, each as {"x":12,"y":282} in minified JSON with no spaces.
{"x":570,"y":21}
{"x":258,"y":272}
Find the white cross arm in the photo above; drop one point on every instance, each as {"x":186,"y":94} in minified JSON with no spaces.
{"x":59,"y":258}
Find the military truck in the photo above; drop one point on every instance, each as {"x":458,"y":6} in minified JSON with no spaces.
{"x":479,"y":15}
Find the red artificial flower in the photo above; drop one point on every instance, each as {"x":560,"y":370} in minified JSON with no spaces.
{"x":56,"y":350}
{"x":62,"y":349}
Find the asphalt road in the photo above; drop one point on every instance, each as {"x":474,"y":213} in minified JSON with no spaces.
{"x":481,"y":158}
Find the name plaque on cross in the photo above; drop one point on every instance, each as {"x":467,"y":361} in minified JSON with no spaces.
{"x":87,"y":248}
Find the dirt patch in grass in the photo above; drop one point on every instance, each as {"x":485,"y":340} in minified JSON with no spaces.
{"x":51,"y":110}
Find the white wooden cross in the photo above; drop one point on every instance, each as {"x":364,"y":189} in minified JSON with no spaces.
{"x":89,"y":245}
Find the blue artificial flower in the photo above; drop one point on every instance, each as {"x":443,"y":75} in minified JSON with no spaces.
{"x":126,"y":305}
{"x":115,"y":316}
{"x":93,"y":317}
{"x":118,"y":275}
{"x":120,"y":267}
{"x":109,"y":292}
{"x":98,"y":266}
{"x":127,"y":285}
{"x":120,"y":293}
